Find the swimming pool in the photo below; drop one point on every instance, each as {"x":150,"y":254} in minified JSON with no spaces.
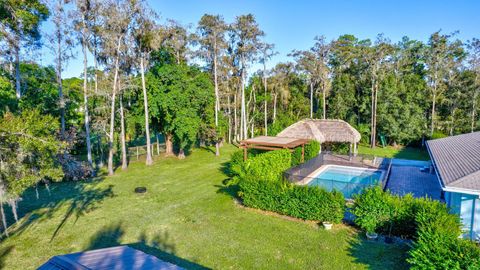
{"x":348,"y":180}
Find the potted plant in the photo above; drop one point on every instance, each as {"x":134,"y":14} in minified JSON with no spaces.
{"x":327,"y":225}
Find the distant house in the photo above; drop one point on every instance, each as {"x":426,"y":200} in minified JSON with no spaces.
{"x":122,"y":257}
{"x":456,"y":160}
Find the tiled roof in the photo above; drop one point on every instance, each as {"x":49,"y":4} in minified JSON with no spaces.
{"x":457,"y":160}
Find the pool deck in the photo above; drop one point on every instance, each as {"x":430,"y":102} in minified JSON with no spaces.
{"x":410,"y":179}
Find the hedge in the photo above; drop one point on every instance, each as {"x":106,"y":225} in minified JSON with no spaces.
{"x":311,"y":150}
{"x":434,"y":230}
{"x":305,"y":202}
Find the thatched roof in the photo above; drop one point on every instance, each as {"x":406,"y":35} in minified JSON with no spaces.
{"x":330,"y":130}
{"x":274,"y":141}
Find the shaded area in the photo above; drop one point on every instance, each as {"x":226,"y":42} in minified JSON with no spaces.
{"x":377,"y":255}
{"x":79,"y":198}
{"x":159,"y":245}
{"x":4,"y":252}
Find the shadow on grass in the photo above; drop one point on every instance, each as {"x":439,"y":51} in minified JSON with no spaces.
{"x":3,"y":254}
{"x":378,"y":255}
{"x":159,"y":245}
{"x":79,"y":198}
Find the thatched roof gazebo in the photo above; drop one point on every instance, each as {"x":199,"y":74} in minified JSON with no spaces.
{"x":323,"y":131}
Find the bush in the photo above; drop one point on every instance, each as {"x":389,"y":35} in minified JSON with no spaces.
{"x":305,"y":202}
{"x":311,"y":150}
{"x":372,"y":209}
{"x":268,"y":166}
{"x":438,"y":246}
{"x":438,"y":135}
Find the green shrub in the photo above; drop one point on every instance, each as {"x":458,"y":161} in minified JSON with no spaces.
{"x":268,"y":166}
{"x":372,"y":209}
{"x":305,"y":202}
{"x":311,"y":150}
{"x":437,"y":245}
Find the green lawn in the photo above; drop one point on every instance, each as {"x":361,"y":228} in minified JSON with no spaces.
{"x":395,"y":152}
{"x":186,"y":217}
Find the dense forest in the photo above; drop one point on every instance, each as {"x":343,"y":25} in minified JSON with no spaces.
{"x":144,"y":75}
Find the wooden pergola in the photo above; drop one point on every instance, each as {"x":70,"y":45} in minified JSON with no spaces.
{"x":273,"y":143}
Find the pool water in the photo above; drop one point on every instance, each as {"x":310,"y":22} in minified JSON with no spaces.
{"x":348,"y":180}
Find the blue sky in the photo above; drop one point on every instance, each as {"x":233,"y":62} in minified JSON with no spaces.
{"x":293,"y":24}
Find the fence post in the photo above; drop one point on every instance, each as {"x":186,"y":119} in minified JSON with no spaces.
{"x":137,"y":152}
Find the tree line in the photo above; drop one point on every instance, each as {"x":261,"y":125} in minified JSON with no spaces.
{"x":144,"y":76}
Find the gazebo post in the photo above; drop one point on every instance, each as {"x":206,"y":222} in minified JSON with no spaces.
{"x":350,"y":152}
{"x":303,"y":153}
{"x":245,"y":156}
{"x":355,"y":150}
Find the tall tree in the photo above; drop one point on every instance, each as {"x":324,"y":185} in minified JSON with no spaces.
{"x":84,"y":13}
{"x":147,"y":38}
{"x":267,"y":53}
{"x":246,"y":34}
{"x":441,"y":55}
{"x":474,"y":61}
{"x":314,"y":64}
{"x":376,"y":57}
{"x":211,"y":36}
{"x":61,"y":44}
{"x":20,"y":26}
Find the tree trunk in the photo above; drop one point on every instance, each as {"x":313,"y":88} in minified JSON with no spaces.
{"x":432,"y":125}
{"x":324,"y":103}
{"x":13,"y":205}
{"x":100,"y":151}
{"x":217,"y":102}
{"x":17,"y":71}
{"x":85,"y":102}
{"x":112,"y":112}
{"x":181,"y":154}
{"x":375,"y":115}
{"x":265,"y":97}
{"x":168,"y":144}
{"x":122,"y":135}
{"x":243,"y":115}
{"x":4,"y":219}
{"x":148,"y":160}
{"x":229,"y":120}
{"x":60,"y":86}
{"x":158,"y":144}
{"x":274,"y":107}
{"x":474,"y":108}
{"x":311,"y":99}
{"x":235,"y":118}
{"x":372,"y":125}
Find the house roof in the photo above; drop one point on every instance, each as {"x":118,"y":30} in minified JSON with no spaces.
{"x":457,"y":160}
{"x":122,"y":257}
{"x":322,"y":130}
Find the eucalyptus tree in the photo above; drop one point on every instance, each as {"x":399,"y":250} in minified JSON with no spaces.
{"x":176,"y":39}
{"x":377,"y":58}
{"x":245,"y":34}
{"x":84,"y":12}
{"x":61,"y":43}
{"x":314,"y":63}
{"x":20,"y":27}
{"x":211,"y":32}
{"x":441,"y":54}
{"x":474,"y":61}
{"x":117,"y":16}
{"x":148,"y":37}
{"x":267,"y":53}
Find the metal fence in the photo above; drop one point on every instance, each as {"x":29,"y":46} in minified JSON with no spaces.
{"x":137,"y":151}
{"x":304,"y":173}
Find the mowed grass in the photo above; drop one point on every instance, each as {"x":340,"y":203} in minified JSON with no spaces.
{"x":401,"y":152}
{"x":186,"y":217}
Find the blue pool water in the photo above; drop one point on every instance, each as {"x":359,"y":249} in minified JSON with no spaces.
{"x":348,"y":180}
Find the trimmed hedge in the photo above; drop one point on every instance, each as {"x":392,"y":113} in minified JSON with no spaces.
{"x":268,"y":166}
{"x":305,"y":202}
